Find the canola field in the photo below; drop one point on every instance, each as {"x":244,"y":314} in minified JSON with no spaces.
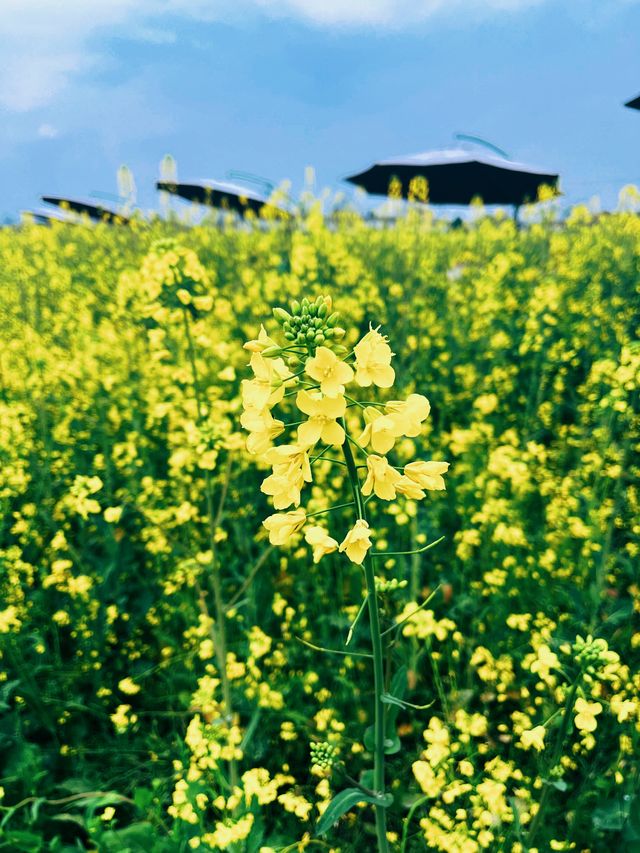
{"x":433,"y":641}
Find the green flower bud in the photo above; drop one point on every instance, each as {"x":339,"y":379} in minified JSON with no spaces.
{"x":319,"y":339}
{"x":310,"y":334}
{"x":281,"y":315}
{"x":322,"y":309}
{"x":290,"y":336}
{"x":301,"y":338}
{"x":333,"y":319}
{"x":328,"y":333}
{"x":339,"y":333}
{"x":295,"y":307}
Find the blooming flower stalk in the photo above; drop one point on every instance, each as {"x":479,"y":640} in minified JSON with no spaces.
{"x":329,"y":417}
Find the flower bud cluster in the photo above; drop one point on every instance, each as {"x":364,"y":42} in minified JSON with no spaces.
{"x":593,"y":657}
{"x":310,"y":324}
{"x":383,"y":585}
{"x":592,"y":653}
{"x":323,"y":756}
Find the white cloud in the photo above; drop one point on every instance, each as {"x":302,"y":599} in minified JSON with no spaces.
{"x":45,"y":44}
{"x":47,"y":131}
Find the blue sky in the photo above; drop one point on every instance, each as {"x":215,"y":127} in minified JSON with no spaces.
{"x":271,"y":86}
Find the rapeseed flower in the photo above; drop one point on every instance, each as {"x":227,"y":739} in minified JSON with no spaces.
{"x":373,"y":361}
{"x":357,"y":542}
{"x":327,"y":369}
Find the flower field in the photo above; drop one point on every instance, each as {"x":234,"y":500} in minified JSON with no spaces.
{"x":432,"y":642}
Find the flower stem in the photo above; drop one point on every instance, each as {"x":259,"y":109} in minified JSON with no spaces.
{"x":378,"y":661}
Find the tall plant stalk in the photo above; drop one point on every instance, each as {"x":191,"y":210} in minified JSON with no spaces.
{"x":378,"y":659}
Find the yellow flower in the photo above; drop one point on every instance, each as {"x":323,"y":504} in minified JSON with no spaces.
{"x":586,"y":713}
{"x":323,"y":412}
{"x":357,"y":542}
{"x":128,"y":686}
{"x":320,"y":541}
{"x":428,"y":475}
{"x":112,"y":514}
{"x":533,"y":738}
{"x":381,"y":478}
{"x":263,"y":428}
{"x":327,"y":369}
{"x":373,"y":361}
{"x":409,"y":488}
{"x":409,"y":414}
{"x":108,"y":814}
{"x":291,"y":469}
{"x":380,"y":431}
{"x":283,"y":525}
{"x":267,"y":388}
{"x":262,"y":342}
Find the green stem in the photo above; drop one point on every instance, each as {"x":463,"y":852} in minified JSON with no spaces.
{"x":378,"y":660}
{"x":555,"y":758}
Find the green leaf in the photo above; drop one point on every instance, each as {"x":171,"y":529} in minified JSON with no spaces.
{"x":611,"y":816}
{"x":391,"y":744}
{"x":344,"y":802}
{"x":143,"y":798}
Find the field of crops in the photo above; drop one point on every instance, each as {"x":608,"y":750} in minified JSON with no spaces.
{"x":175,"y":675}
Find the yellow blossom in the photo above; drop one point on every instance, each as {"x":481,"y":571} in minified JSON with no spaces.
{"x":291,"y":470}
{"x":586,"y":713}
{"x":381,"y":478}
{"x":262,"y":342}
{"x":533,"y":738}
{"x":320,"y":541}
{"x":128,"y":686}
{"x":283,"y":525}
{"x":428,"y":475}
{"x":267,"y":388}
{"x":263,"y":428}
{"x":112,"y":514}
{"x":323,"y":413}
{"x":327,"y":369}
{"x":373,"y":361}
{"x":381,"y":431}
{"x":357,"y":541}
{"x":409,"y":414}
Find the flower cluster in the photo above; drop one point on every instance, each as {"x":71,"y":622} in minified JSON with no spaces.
{"x":320,"y":395}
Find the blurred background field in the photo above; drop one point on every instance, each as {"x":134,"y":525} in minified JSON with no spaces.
{"x":524,"y":340}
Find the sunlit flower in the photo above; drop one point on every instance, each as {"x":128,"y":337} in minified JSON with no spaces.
{"x":380,"y":431}
{"x":381,"y":478}
{"x":323,"y":413}
{"x":409,"y":414}
{"x":428,"y":475}
{"x":373,"y":361}
{"x":357,"y":541}
{"x":283,"y":525}
{"x":586,"y":713}
{"x":263,"y":429}
{"x":291,"y":470}
{"x":327,"y":369}
{"x":320,"y":541}
{"x":262,"y":342}
{"x":267,"y":388}
{"x":533,"y":738}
